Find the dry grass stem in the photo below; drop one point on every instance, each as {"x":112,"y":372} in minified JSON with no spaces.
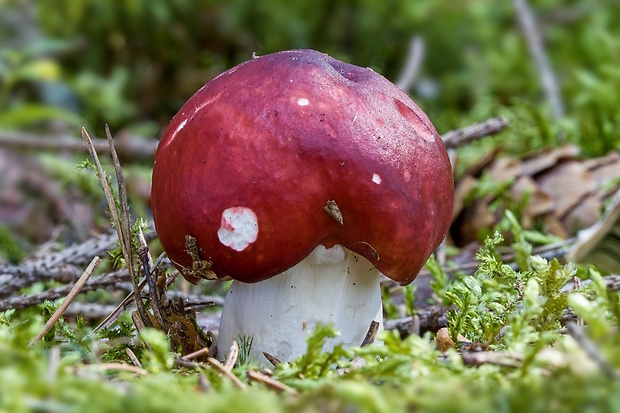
{"x":271,"y":383}
{"x":68,"y":300}
{"x":118,"y":311}
{"x":119,"y":366}
{"x":137,"y":321}
{"x":121,"y":222}
{"x":220,"y":367}
{"x":133,"y":358}
{"x":233,"y":355}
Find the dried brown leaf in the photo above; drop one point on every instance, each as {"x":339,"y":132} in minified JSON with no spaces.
{"x":607,"y":172}
{"x":462,"y":190}
{"x":567,"y":184}
{"x":584,"y":214}
{"x":539,"y":202}
{"x":505,"y":169}
{"x":542,"y":161}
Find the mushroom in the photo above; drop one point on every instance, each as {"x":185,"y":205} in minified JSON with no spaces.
{"x":302,"y":178}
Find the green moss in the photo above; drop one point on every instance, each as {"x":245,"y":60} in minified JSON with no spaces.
{"x":10,"y":250}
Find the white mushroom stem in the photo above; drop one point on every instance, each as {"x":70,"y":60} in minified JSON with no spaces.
{"x":331,"y":285}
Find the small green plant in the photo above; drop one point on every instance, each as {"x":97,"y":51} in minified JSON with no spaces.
{"x":409,"y":296}
{"x":389,"y":308}
{"x":245,"y":349}
{"x":440,"y":282}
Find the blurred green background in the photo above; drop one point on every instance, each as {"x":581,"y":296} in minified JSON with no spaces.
{"x":132,"y":64}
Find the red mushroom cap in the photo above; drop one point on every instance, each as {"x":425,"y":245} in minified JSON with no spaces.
{"x":250,"y":161}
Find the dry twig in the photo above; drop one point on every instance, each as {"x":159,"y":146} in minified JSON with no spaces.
{"x":23,"y":301}
{"x":63,"y":266}
{"x":128,"y":147}
{"x":460,"y":137}
{"x":430,"y":319}
{"x":196,"y":354}
{"x":118,"y":311}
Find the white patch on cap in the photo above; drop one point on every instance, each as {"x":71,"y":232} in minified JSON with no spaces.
{"x":376,"y":179}
{"x":239,"y":228}
{"x":303,"y":102}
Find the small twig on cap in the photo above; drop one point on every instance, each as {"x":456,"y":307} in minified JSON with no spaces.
{"x":200,"y":268}
{"x":68,"y":300}
{"x":370,"y":335}
{"x":271,"y":383}
{"x":333,"y":211}
{"x":375,"y":253}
